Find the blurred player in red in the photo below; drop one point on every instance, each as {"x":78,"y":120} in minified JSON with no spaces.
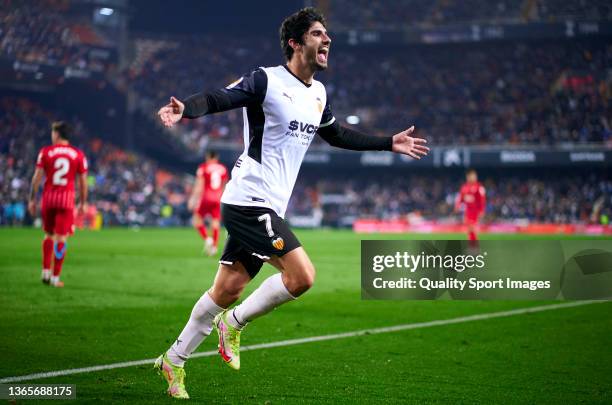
{"x":205,"y":199}
{"x":472,"y":198}
{"x":61,"y":163}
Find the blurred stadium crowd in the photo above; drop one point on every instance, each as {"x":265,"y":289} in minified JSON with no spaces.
{"x":542,"y":198}
{"x":125,"y":188}
{"x":353,"y":14}
{"x":535,"y":93}
{"x":530,"y":92}
{"x":50,"y":32}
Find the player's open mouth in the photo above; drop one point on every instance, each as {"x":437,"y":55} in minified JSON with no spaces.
{"x":322,"y":55}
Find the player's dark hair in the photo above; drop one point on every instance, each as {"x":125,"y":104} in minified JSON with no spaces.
{"x":212,"y":154}
{"x":62,"y":128}
{"x":296,"y":25}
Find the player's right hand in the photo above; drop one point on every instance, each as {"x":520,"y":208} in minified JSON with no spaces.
{"x":172,"y":112}
{"x":32,"y":208}
{"x":82,"y":208}
{"x":191,"y":204}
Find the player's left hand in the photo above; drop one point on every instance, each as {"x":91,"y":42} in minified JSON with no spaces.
{"x":32,"y":208}
{"x":407,"y":145}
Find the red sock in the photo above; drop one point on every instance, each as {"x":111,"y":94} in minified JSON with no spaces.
{"x":60,"y":254}
{"x":215,"y":236}
{"x":473,"y":240}
{"x":202,"y":230}
{"x":47,"y":248}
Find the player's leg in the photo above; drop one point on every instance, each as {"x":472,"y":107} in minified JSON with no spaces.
{"x":472,"y":227}
{"x":297,"y":274}
{"x":268,"y":237}
{"x":47,"y":257}
{"x":227,"y":287}
{"x":296,"y":277}
{"x":215,"y":224}
{"x":64,"y":221}
{"x":471,"y":233}
{"x":48,"y":218}
{"x":198,"y":223}
{"x":59,"y":254}
{"x":204,"y":211}
{"x":264,"y":235}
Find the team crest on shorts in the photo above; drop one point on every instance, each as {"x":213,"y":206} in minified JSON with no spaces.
{"x":278,"y":243}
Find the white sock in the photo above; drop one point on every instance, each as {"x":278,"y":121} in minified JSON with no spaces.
{"x":46,"y":274}
{"x":196,"y":330}
{"x":270,"y":294}
{"x":54,"y":279}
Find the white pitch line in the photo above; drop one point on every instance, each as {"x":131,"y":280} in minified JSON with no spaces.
{"x":292,"y":342}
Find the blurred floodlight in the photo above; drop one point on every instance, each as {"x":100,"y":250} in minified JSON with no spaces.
{"x":107,"y":11}
{"x":352,"y":119}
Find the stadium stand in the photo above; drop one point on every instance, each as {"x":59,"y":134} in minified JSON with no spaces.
{"x":490,"y":93}
{"x":403,"y":14}
{"x":126,"y":188}
{"x":561,"y":198}
{"x":47,"y":32}
{"x":545,"y":92}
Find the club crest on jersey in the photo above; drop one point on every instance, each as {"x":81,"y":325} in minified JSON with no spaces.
{"x":319,"y":105}
{"x":278,"y":243}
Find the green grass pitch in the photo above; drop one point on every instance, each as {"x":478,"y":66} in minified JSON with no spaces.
{"x":129,"y":293}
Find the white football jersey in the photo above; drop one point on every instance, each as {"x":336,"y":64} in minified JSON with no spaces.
{"x":281,"y":118}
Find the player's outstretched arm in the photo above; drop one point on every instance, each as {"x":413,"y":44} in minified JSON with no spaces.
{"x":247,"y":90}
{"x":36,"y":179}
{"x":346,"y":138}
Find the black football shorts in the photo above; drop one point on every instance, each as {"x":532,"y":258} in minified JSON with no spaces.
{"x":255,"y":235}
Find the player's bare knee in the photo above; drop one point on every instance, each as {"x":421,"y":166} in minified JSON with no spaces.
{"x":298,"y":282}
{"x":228,"y":286}
{"x":232,"y":292}
{"x":222,"y":297}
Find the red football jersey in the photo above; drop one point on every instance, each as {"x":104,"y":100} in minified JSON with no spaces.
{"x":215,"y":176}
{"x":472,"y":195}
{"x":61,"y":164}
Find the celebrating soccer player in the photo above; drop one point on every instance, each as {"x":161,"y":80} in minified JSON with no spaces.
{"x":284,"y":108}
{"x":473,"y":200}
{"x":61,"y":163}
{"x":205,"y":199}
